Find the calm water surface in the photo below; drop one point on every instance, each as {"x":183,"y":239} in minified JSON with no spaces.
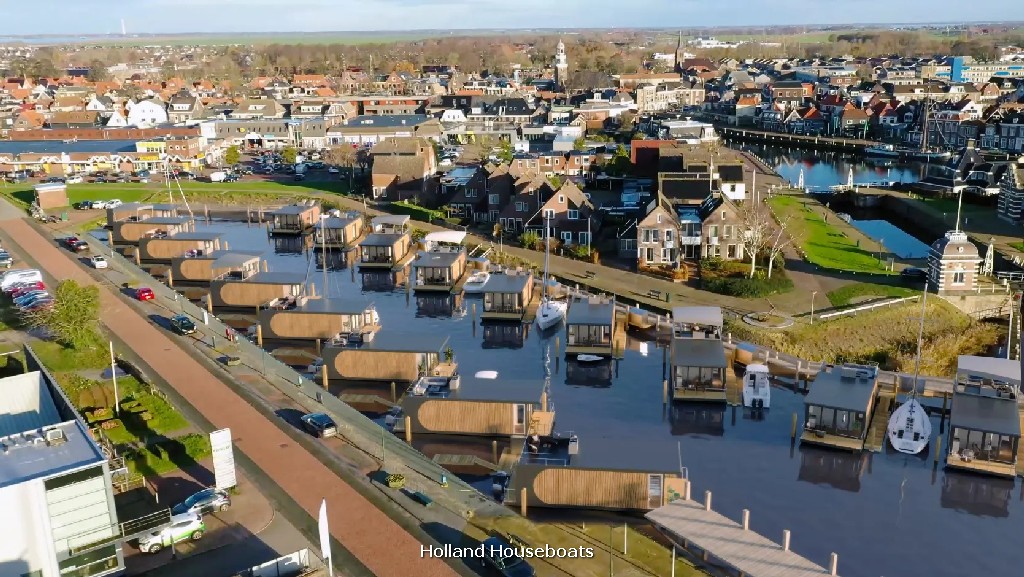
{"x":885,"y":514}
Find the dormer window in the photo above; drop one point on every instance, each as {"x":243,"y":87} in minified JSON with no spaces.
{"x":561,"y":199}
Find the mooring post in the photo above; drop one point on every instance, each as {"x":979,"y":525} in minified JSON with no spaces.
{"x":792,"y":432}
{"x":833,"y":564}
{"x":408,"y":429}
{"x":394,"y":392}
{"x":664,"y":392}
{"x":746,"y":519}
{"x":707,"y":500}
{"x":938,"y":449}
{"x":259,"y":335}
{"x":686,"y":490}
{"x":494,"y":451}
{"x":170,"y":278}
{"x":323,"y":375}
{"x":522,"y":502}
{"x":785,"y":539}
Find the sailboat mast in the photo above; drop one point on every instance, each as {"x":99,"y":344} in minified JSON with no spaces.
{"x":547,"y":252}
{"x":924,"y":126}
{"x":920,"y":340}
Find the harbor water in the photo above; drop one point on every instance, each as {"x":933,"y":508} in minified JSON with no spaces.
{"x":883,"y":513}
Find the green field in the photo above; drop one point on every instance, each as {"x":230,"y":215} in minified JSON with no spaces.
{"x":245,"y":191}
{"x":847,"y":294}
{"x":823,"y":243}
{"x":350,"y":38}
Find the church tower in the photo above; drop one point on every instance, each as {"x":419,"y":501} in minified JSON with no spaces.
{"x":561,"y":65}
{"x":679,"y":53}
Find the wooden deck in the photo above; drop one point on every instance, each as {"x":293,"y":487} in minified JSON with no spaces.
{"x":510,"y":457}
{"x":532,"y":306}
{"x":405,"y":260}
{"x":465,"y":464}
{"x":542,"y":423}
{"x":981,"y":466}
{"x":733,"y":383}
{"x":743,"y":550}
{"x":697,"y":396}
{"x":461,"y":282}
{"x":834,"y":441}
{"x":878,"y":427}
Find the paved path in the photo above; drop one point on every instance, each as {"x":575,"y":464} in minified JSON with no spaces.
{"x":369,"y":534}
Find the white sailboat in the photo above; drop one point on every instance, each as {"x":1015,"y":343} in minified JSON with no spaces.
{"x":550,"y":312}
{"x":475,"y":283}
{"x":909,"y":427}
{"x":757,"y":391}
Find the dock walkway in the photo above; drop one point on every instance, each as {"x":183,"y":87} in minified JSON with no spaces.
{"x":742,"y":549}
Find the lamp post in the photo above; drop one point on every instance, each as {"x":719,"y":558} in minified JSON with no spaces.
{"x":813,"y":293}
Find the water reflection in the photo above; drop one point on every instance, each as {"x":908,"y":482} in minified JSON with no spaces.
{"x":504,"y":335}
{"x":836,"y":469}
{"x":698,"y":419}
{"x":440,"y":306}
{"x":824,"y":169}
{"x":382,"y":280}
{"x":336,"y":260}
{"x":292,"y":244}
{"x":975,"y":495}
{"x":588,"y":374}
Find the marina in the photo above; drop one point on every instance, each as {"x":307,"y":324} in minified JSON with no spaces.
{"x":626,"y":431}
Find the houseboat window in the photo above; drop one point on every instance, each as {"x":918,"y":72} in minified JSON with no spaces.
{"x":654,"y":491}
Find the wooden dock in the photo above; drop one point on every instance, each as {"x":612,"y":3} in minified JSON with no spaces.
{"x":367,"y":403}
{"x":728,"y":541}
{"x":542,"y":423}
{"x":879,"y":424}
{"x":461,"y":282}
{"x":532,"y":306}
{"x":465,"y":464}
{"x":405,"y":260}
{"x":733,"y":383}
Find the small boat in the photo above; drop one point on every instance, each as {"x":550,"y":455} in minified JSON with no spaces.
{"x":757,"y":391}
{"x":909,"y":427}
{"x":884,"y":150}
{"x":925,"y":155}
{"x":639,"y":319}
{"x":476,"y":281}
{"x":589,"y":358}
{"x":490,"y":375}
{"x":550,"y":312}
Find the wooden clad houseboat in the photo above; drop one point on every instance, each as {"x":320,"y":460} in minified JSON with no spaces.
{"x":258,"y":290}
{"x":442,"y":262}
{"x":344,"y":231}
{"x":838,"y":408}
{"x":310,"y":318}
{"x":203,"y":268}
{"x":698,"y":357}
{"x":507,"y":296}
{"x":133,"y":231}
{"x":294,"y":219}
{"x":388,"y":246}
{"x":477,"y":406}
{"x":139,"y":211}
{"x":164,"y":248}
{"x":391,"y":356}
{"x":593,"y":328}
{"x":984,"y":419}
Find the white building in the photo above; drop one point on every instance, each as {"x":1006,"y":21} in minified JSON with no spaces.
{"x":712,"y":42}
{"x":55,"y":489}
{"x":146,"y":113}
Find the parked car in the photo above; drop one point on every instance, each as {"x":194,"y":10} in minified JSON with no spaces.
{"x":11,"y":279}
{"x":188,"y":527}
{"x":333,"y":170}
{"x":80,"y":246}
{"x":74,"y":180}
{"x":69,"y":241}
{"x":113,"y":203}
{"x":98,"y":204}
{"x":101,"y":179}
{"x":142,"y":173}
{"x":26,"y":288}
{"x":319,"y":425}
{"x":84,"y":205}
{"x":6,"y":260}
{"x":29,"y":299}
{"x":231,"y":178}
{"x":54,"y":180}
{"x":913,"y":273}
{"x":205,"y":501}
{"x":500,"y":558}
{"x":42,"y":303}
{"x":183,"y":325}
{"x":299,"y":177}
{"x":144,"y":294}
{"x":98,"y":262}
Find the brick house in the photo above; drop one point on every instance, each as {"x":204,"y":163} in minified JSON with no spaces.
{"x":569,"y":214}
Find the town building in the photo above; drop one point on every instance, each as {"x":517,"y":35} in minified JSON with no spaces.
{"x":953,"y":262}
{"x":1011,"y":193}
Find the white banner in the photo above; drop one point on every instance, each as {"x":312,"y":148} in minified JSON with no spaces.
{"x":223,"y":459}
{"x":325,"y":537}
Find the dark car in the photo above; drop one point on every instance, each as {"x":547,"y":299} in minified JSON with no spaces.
{"x":80,"y":246}
{"x":231,"y":178}
{"x":319,"y":425}
{"x":299,"y":177}
{"x":84,"y":205}
{"x":205,"y":501}
{"x":913,"y":273}
{"x":183,"y":325}
{"x":500,"y":558}
{"x":69,"y":241}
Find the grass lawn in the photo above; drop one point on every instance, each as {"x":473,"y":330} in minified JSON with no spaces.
{"x":60,"y":359}
{"x":824,"y":244}
{"x":1018,"y":245}
{"x":845,"y":295}
{"x":162,"y":458}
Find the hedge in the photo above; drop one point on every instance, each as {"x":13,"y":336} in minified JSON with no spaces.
{"x":415,"y":212}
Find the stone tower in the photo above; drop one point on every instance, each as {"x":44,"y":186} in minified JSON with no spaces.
{"x":561,"y":65}
{"x":953,"y":264}
{"x":679,"y":53}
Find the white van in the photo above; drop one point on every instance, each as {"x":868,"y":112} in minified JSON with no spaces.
{"x":13,"y":277}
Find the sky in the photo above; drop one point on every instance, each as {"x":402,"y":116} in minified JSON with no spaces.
{"x":235,"y":16}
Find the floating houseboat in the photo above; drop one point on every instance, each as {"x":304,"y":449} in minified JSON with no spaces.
{"x":164,"y":248}
{"x":507,"y":296}
{"x":477,"y":406}
{"x":293,"y":219}
{"x":442,"y":262}
{"x":259,"y":290}
{"x":560,"y":471}
{"x":391,"y":356}
{"x":838,"y":408}
{"x":984,"y":419}
{"x":327,"y":319}
{"x":139,"y":211}
{"x":592,"y":328}
{"x":698,"y":356}
{"x":388,"y":246}
{"x":342,"y":232}
{"x":219,"y":264}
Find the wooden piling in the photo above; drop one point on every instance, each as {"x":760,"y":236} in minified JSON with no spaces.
{"x":408,"y":429}
{"x":323,"y":374}
{"x":558,"y":345}
{"x":686,"y":489}
{"x":833,"y":564}
{"x":226,"y":247}
{"x":785,"y":539}
{"x":664,"y":392}
{"x":170,"y":278}
{"x":792,"y":431}
{"x":746,"y":519}
{"x":209,"y":303}
{"x":494,"y":451}
{"x":266,"y":266}
{"x":707,"y":500}
{"x":259,"y":335}
{"x":544,"y":401}
{"x":522,"y":501}
{"x":938,"y":448}
{"x":319,"y":351}
{"x":394,"y":392}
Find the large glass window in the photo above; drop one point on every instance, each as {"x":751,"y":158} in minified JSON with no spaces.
{"x":93,"y":562}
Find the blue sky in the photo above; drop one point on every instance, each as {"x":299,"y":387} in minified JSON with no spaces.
{"x":168,"y":16}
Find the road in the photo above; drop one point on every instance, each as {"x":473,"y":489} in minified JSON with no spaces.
{"x":375,"y":541}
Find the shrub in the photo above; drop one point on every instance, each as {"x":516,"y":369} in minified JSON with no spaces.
{"x":665,"y":271}
{"x":395,"y":481}
{"x":111,"y":424}
{"x":415,"y":212}
{"x":733,"y":279}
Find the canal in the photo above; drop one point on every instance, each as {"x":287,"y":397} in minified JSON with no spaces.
{"x":883,"y":513}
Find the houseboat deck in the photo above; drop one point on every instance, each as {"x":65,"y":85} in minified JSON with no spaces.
{"x":829,"y":440}
{"x":980,"y":466}
{"x":875,"y":440}
{"x":746,"y":551}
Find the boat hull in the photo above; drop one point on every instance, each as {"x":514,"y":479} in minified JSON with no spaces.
{"x":881,"y":153}
{"x":550,"y":314}
{"x":909,"y":429}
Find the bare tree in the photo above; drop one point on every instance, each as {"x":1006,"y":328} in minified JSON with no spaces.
{"x":778,"y":244}
{"x":756,"y":232}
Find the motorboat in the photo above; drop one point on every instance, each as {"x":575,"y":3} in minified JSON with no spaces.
{"x":883,"y":150}
{"x":909,"y":428}
{"x":476,"y":281}
{"x":757,"y":391}
{"x":589,"y":358}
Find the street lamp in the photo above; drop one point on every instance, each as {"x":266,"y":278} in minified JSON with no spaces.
{"x":813,"y":293}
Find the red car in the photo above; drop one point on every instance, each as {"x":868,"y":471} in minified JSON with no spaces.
{"x":144,"y":294}
{"x":22,"y":289}
{"x":70,"y":241}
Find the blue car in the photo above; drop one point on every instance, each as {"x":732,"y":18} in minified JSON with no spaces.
{"x":28,"y":297}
